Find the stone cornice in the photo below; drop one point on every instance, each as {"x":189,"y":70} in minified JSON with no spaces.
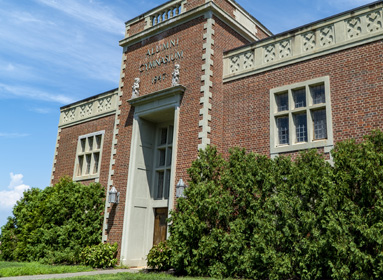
{"x":185,"y":17}
{"x":91,"y":108}
{"x":157,"y":95}
{"x":343,"y":31}
{"x":244,"y":12}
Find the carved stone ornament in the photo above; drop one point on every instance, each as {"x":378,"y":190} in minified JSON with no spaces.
{"x":136,"y":88}
{"x":176,"y":75}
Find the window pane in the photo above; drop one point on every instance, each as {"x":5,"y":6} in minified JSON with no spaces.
{"x":318,"y":95}
{"x":162,"y":158}
{"x":283,"y":130}
{"x":301,"y":127}
{"x":282,"y":102}
{"x":96,"y":158}
{"x":98,"y":141}
{"x":90,"y":143}
{"x":160,"y":184}
{"x":320,"y":128}
{"x":88,"y":160}
{"x":169,"y":157}
{"x":170,"y":138}
{"x":83,"y":142}
{"x":167,"y":184}
{"x":164,"y":132}
{"x":80,"y":163}
{"x":299,"y":98}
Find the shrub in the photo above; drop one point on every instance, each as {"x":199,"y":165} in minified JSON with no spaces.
{"x":254,"y":217}
{"x":53,"y":225}
{"x":159,"y":256}
{"x":102,"y":255}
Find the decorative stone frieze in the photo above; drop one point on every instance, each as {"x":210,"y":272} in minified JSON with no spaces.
{"x":319,"y":38}
{"x":374,"y":21}
{"x":98,"y":106}
{"x":354,"y":27}
{"x":248,"y":61}
{"x":308,"y":41}
{"x":234,"y":64}
{"x":284,"y":49}
{"x":326,"y":36}
{"x":269,"y":53}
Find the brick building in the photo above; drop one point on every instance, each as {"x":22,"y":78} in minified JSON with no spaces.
{"x":200,"y":72}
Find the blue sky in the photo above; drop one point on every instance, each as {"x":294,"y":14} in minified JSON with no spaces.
{"x":54,"y":52}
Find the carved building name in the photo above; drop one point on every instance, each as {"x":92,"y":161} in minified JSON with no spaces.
{"x":161,"y":59}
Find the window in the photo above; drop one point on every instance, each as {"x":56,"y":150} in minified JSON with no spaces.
{"x":300,"y":116}
{"x":163,"y":162}
{"x":88,"y":156}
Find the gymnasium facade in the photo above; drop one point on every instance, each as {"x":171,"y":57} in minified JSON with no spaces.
{"x":205,"y":72}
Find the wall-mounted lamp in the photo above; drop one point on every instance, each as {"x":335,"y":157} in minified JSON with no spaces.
{"x":114,"y":196}
{"x":180,"y":187}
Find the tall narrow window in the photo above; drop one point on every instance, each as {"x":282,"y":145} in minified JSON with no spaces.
{"x":320,"y":129}
{"x":96,"y":158}
{"x":299,"y":98}
{"x":80,"y":165}
{"x":88,"y":158}
{"x":163,"y":162}
{"x":301,"y":127}
{"x":160,"y":184}
{"x":318,"y":94}
{"x":282,"y":102}
{"x":283,"y":130}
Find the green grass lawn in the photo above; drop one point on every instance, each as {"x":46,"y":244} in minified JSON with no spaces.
{"x":8,"y":269}
{"x":136,"y":276}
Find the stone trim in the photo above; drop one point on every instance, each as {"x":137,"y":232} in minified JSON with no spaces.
{"x":206,"y":79}
{"x":243,"y":16}
{"x":94,"y":108}
{"x":55,"y":155}
{"x":114,"y":147}
{"x":95,"y":176}
{"x":148,"y":108}
{"x":327,"y":143}
{"x":185,"y":17}
{"x":156,"y":10}
{"x":157,"y":95}
{"x":340,"y":32}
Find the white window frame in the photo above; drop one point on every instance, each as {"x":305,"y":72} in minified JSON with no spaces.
{"x":166,"y":169}
{"x":293,"y":145}
{"x":88,"y":152}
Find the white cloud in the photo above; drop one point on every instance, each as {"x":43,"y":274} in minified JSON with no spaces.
{"x":41,"y":110}
{"x":13,"y":135}
{"x":16,"y":188}
{"x":90,"y":12}
{"x":31,"y":93}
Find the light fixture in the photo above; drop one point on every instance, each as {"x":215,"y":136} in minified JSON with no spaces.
{"x":180,"y":187}
{"x":114,"y":196}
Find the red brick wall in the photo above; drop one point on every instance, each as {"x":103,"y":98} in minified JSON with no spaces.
{"x":226,"y":6}
{"x":66,"y":151}
{"x":356,"y":85}
{"x":191,"y":4}
{"x":137,"y":27}
{"x":224,"y":39}
{"x":261,"y":34}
